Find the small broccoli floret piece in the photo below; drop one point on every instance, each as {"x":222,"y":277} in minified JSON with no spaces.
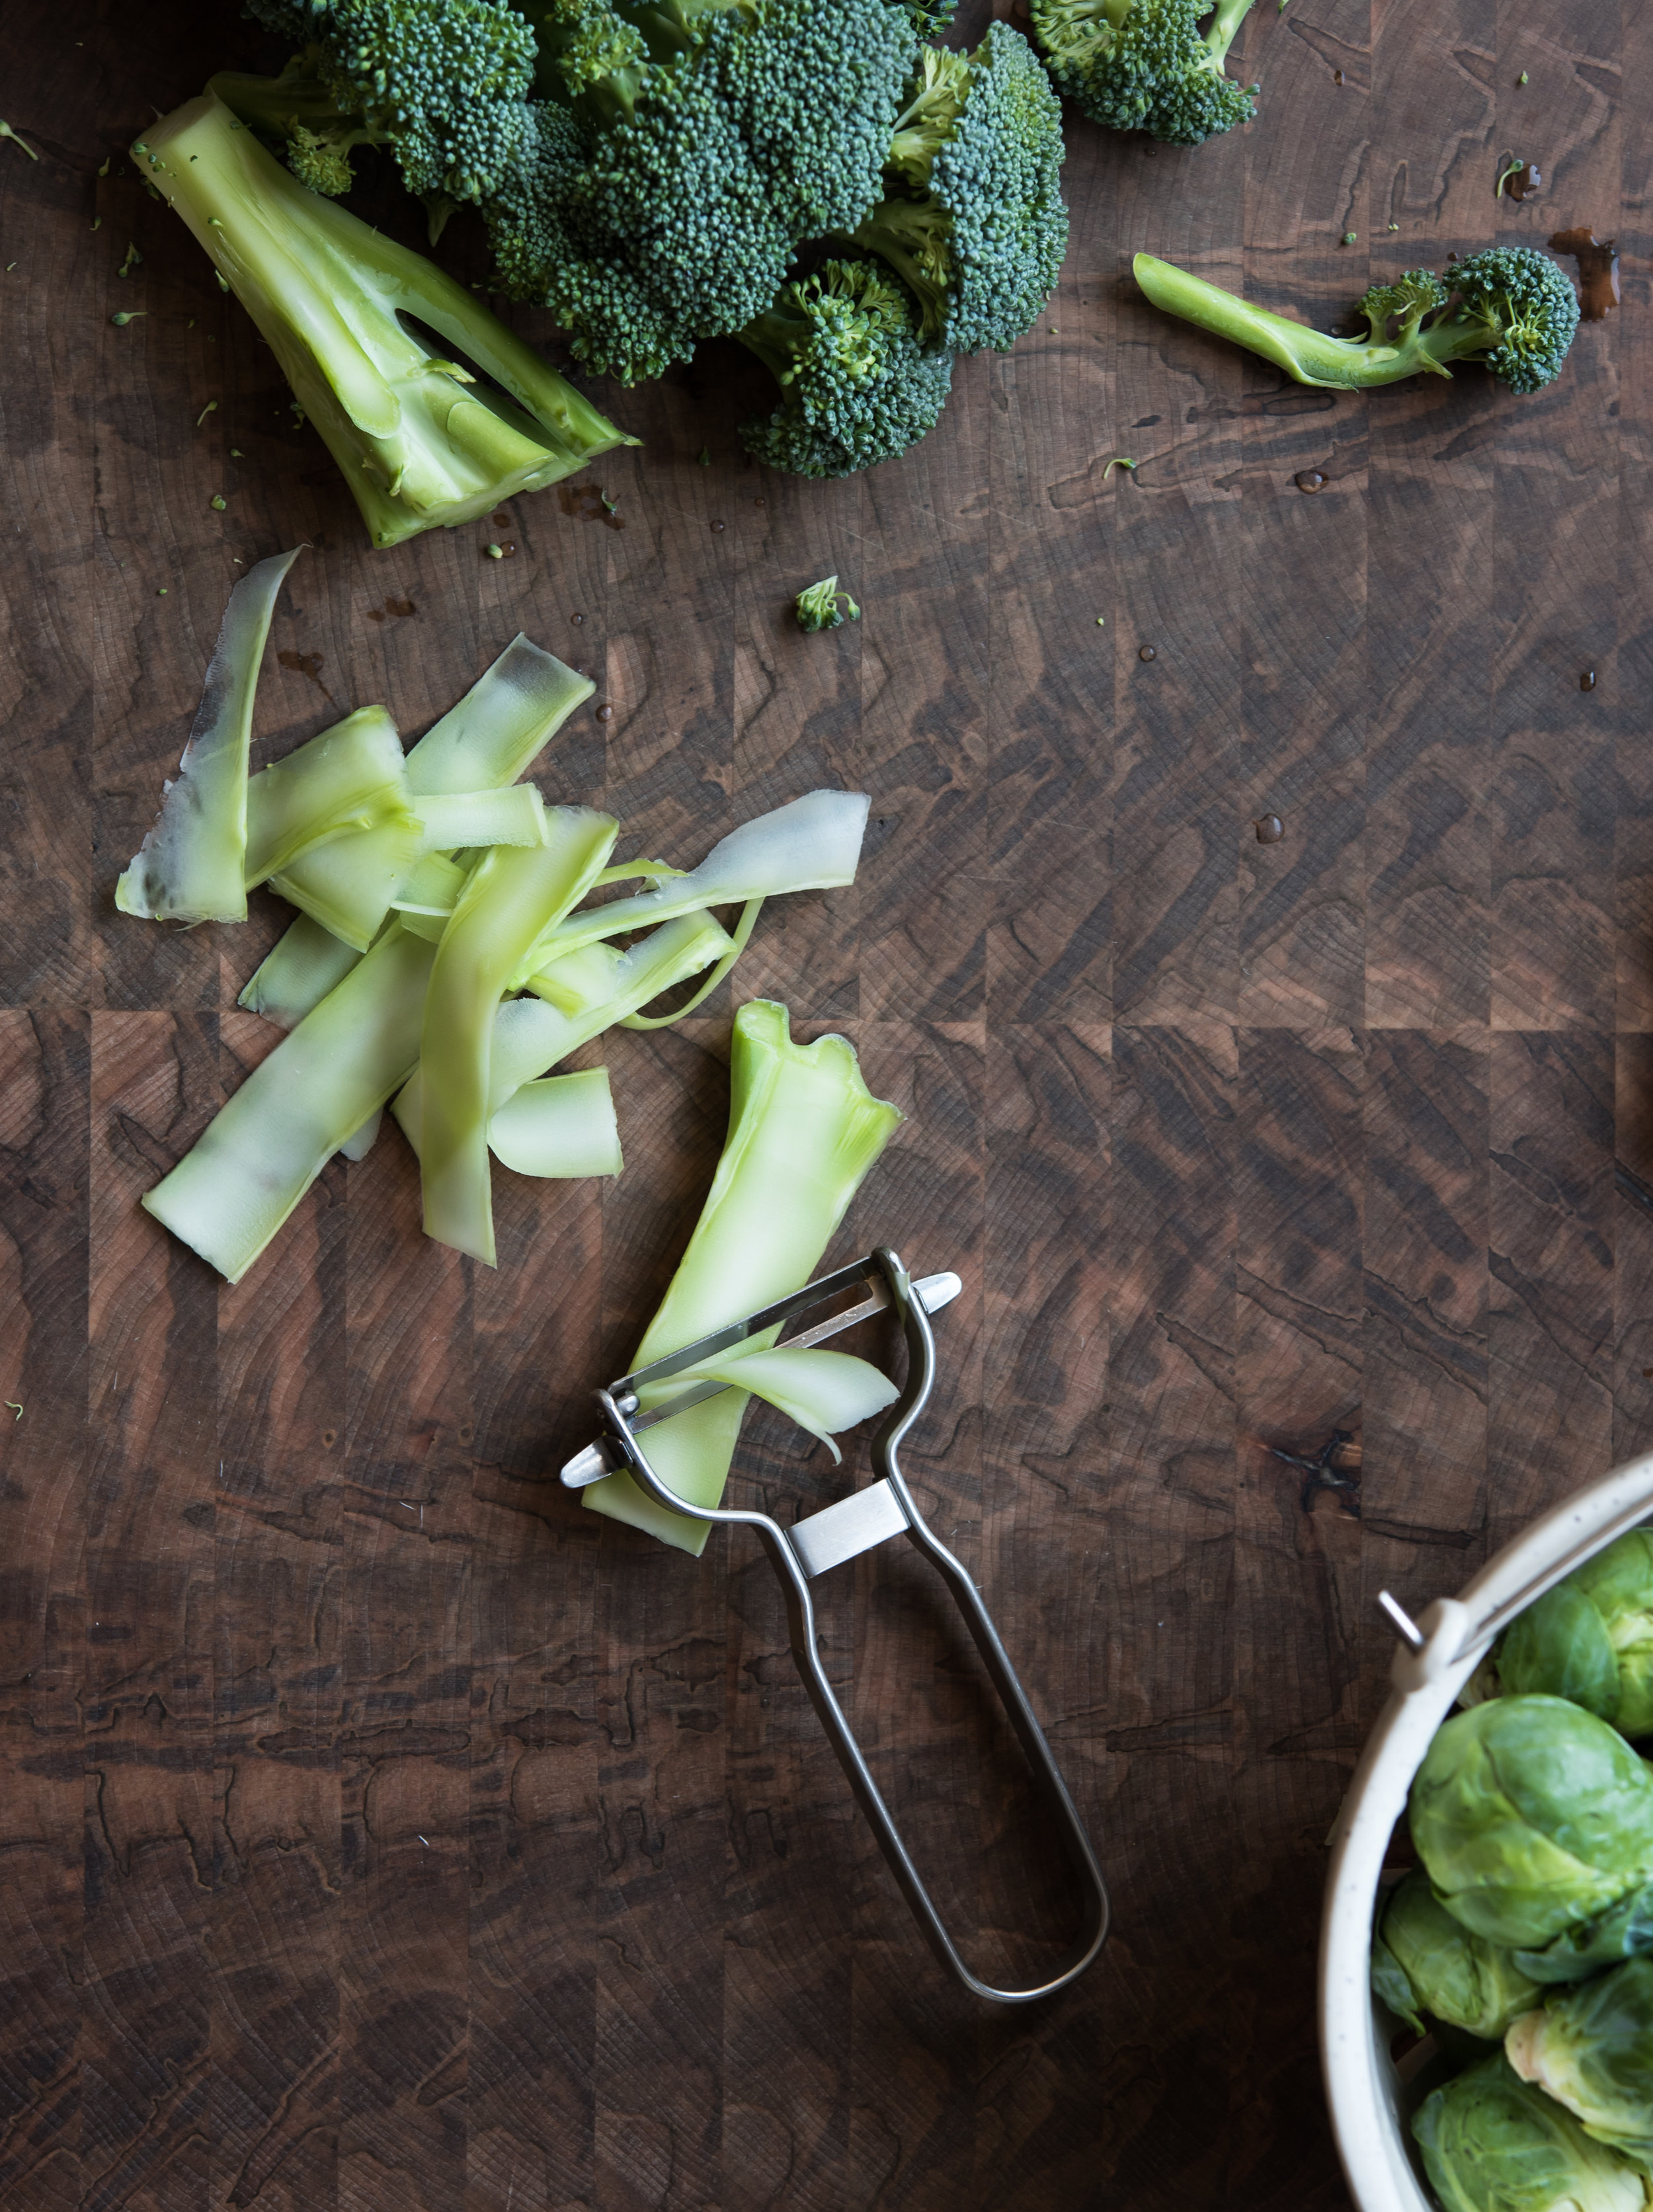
{"x":421,"y":437}
{"x":1510,"y":309}
{"x":842,"y":344}
{"x":975,"y":224}
{"x":298,"y":113}
{"x":818,"y":609}
{"x":712,"y":141}
{"x":1145,"y":65}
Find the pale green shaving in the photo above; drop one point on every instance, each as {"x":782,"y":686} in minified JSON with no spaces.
{"x":813,"y":844}
{"x":560,"y":1125}
{"x":515,"y":815}
{"x":509,"y":898}
{"x":229,"y":1195}
{"x":348,"y":884}
{"x":820,"y":1390}
{"x":190,"y":866}
{"x":802,"y":1131}
{"x":349,"y":778}
{"x":297,"y":972}
{"x":501,"y":726}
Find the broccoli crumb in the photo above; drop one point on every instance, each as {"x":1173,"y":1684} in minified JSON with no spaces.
{"x":495,"y":552}
{"x":1513,"y":169}
{"x":1350,"y":236}
{"x":210,"y":408}
{"x":818,"y":607}
{"x":1119,"y":461}
{"x":6,"y":131}
{"x":134,"y":260}
{"x":218,"y":500}
{"x":127,"y":315}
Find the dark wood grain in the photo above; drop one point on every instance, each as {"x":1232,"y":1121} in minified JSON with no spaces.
{"x":380,"y":1831}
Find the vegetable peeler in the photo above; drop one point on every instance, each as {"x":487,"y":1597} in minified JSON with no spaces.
{"x":841,"y":1532}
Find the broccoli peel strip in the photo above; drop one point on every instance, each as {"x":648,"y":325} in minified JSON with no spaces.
{"x":254,"y":1161}
{"x":191,"y":864}
{"x":1509,"y":308}
{"x":512,"y":896}
{"x":485,"y":740}
{"x":417,"y":446}
{"x":804,"y":1129}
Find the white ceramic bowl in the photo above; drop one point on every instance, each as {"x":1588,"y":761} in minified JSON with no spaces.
{"x":1366,"y":2091}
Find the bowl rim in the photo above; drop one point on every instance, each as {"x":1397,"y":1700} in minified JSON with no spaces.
{"x":1362,"y":2086}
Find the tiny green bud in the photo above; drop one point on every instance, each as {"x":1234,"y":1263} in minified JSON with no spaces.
{"x":210,"y":408}
{"x":495,"y":552}
{"x":125,"y":317}
{"x":161,"y":593}
{"x":6,"y":131}
{"x":97,"y":223}
{"x":1395,"y":226}
{"x":1522,"y":79}
{"x":705,"y":458}
{"x":236,"y":455}
{"x":1349,"y":237}
{"x":1102,"y":620}
{"x":1118,"y":462}
{"x":104,"y":171}
{"x":219,"y":502}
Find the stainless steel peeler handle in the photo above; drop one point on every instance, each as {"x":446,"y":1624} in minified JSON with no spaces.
{"x":843,"y":1531}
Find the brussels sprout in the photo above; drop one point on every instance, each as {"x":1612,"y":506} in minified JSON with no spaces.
{"x":1590,"y":1638}
{"x":1593,"y":2048}
{"x":1534,"y":1819}
{"x":1492,"y":2144}
{"x":1424,"y":1961}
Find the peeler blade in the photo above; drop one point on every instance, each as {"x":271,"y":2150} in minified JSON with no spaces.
{"x":932,"y":1292}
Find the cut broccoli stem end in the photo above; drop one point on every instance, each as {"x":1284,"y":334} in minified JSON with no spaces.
{"x":417,"y":446}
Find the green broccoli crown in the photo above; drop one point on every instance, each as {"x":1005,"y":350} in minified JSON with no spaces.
{"x":743,"y":131}
{"x":1145,"y":65}
{"x":818,"y":606}
{"x":1526,"y":303}
{"x":981,"y":245}
{"x":843,"y":346}
{"x":446,"y":81}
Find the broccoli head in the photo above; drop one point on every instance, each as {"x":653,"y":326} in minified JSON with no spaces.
{"x":711,"y":142}
{"x":422,"y":438}
{"x":1145,"y":65}
{"x":973,"y":220}
{"x":1511,"y":309}
{"x":444,"y":82}
{"x":843,"y":346}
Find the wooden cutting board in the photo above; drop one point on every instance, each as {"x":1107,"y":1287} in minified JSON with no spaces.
{"x":382,"y":1832}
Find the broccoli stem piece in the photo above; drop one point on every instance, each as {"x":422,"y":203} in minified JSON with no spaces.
{"x":1222,"y":29}
{"x":804,"y":1129}
{"x":349,"y":778}
{"x":1310,"y":355}
{"x":293,"y":977}
{"x":417,"y":446}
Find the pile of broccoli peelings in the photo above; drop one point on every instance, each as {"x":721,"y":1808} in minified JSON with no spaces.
{"x":1523,"y":1942}
{"x":820,"y":179}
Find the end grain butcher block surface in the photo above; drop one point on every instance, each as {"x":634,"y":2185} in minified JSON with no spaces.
{"x":380,"y":1830}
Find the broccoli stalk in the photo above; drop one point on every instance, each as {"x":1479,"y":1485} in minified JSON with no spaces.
{"x":421,"y":440}
{"x":1509,"y":308}
{"x":842,"y":345}
{"x":1145,"y":65}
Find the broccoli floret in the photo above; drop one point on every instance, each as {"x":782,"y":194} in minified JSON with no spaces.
{"x":444,"y":81}
{"x":843,"y":346}
{"x":422,"y":438}
{"x":1510,"y":309}
{"x":975,"y":222}
{"x":708,"y":154}
{"x":297,"y":110}
{"x":1145,"y":65}
{"x":817,"y":608}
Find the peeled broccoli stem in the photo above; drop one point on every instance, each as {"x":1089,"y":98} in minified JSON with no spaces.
{"x":421,"y":442}
{"x":1312,"y":357}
